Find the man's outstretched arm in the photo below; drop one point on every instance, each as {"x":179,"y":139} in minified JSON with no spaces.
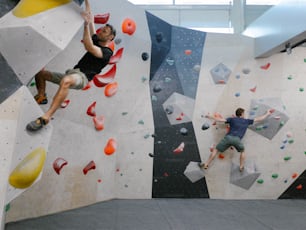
{"x":261,"y":118}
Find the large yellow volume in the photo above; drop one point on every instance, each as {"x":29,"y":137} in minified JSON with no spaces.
{"x":27,"y":171}
{"x":26,"y":8}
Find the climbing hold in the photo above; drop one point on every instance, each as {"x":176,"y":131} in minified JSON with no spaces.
{"x":151,"y":155}
{"x":281,"y":123}
{"x":170,"y":61}
{"x":301,"y":89}
{"x":90,"y":166}
{"x":180,"y":117}
{"x":294,"y":175}
{"x":7,"y":207}
{"x":58,"y":164}
{"x":65,"y":103}
{"x":111,"y":45}
{"x":237,"y":94}
{"x":180,"y":148}
{"x":266,"y":66}
{"x":260,"y":181}
{"x":253,"y":89}
{"x":188,"y":52}
{"x":246,"y":70}
{"x":169,"y":109}
{"x":26,"y":8}
{"x":88,"y":86}
{"x":111,"y":89}
{"x":101,"y":80}
{"x":110,"y":147}
{"x":156,"y":88}
{"x":159,"y":37}
{"x":221,"y":156}
{"x":196,"y":68}
{"x":91,"y":110}
{"x":290,"y":141}
{"x":99,"y":122}
{"x":205,"y":126}
{"x":299,"y":187}
{"x":101,"y":18}
{"x":184,"y":131}
{"x":289,"y":77}
{"x":118,"y":41}
{"x":274,"y":176}
{"x":28,"y":170}
{"x":141,"y":122}
{"x":145,"y":56}
{"x":128,"y":26}
{"x":287,"y":158}
{"x":116,"y":57}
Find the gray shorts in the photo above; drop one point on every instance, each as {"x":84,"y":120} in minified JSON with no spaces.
{"x":79,"y":77}
{"x":229,"y":141}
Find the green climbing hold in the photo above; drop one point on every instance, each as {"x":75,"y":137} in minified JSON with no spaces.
{"x":304,"y":59}
{"x":289,"y":77}
{"x":259,"y":127}
{"x":124,"y":113}
{"x":274,"y":175}
{"x":7,"y":207}
{"x":287,"y":158}
{"x":141,"y":122}
{"x":301,"y":89}
{"x":290,"y":141}
{"x":282,"y":123}
{"x":260,"y":181}
{"x":32,"y":84}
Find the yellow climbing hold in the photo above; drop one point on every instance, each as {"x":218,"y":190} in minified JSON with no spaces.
{"x":26,"y":8}
{"x":27,"y":171}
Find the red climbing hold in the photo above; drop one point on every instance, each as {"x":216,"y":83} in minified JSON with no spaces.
{"x":88,"y":86}
{"x":188,"y":52}
{"x":90,"y":166}
{"x":58,"y":164}
{"x":91,"y":110}
{"x":110,"y":147}
{"x":180,"y":148}
{"x":253,"y":89}
{"x":266,"y":66}
{"x":116,"y":57}
{"x":101,"y":18}
{"x":101,"y":80}
{"x":128,"y":26}
{"x":221,"y":156}
{"x":294,"y":175}
{"x":299,"y":187}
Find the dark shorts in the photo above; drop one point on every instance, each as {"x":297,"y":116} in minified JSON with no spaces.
{"x":229,"y":141}
{"x":79,"y":77}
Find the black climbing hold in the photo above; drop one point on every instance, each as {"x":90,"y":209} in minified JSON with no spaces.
{"x":145,"y":56}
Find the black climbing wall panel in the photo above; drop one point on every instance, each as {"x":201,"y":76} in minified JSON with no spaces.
{"x":175,"y":53}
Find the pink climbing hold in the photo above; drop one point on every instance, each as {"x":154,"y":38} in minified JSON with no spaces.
{"x":90,"y":166}
{"x":99,"y":122}
{"x":91,"y":110}
{"x":58,"y":164}
{"x":101,"y":80}
{"x":266,"y":66}
{"x":180,"y":148}
{"x":116,"y":57}
{"x":253,"y":89}
{"x":65,"y":103}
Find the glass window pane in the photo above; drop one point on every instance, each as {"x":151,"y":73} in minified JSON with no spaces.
{"x":151,"y":2}
{"x":202,"y":2}
{"x":262,"y":2}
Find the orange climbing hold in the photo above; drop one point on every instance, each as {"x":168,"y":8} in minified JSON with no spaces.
{"x":111,"y":45}
{"x":294,"y":175}
{"x":99,"y":122}
{"x":58,"y":164}
{"x":90,"y":166}
{"x":101,"y":80}
{"x":221,"y":156}
{"x":116,"y":57}
{"x":111,"y":89}
{"x":91,"y":110}
{"x":110,"y":147}
{"x":101,"y":18}
{"x":128,"y":26}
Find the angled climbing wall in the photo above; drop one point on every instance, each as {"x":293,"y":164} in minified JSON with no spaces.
{"x":138,"y":130}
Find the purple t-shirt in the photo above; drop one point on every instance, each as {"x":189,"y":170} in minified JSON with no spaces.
{"x":238,"y":126}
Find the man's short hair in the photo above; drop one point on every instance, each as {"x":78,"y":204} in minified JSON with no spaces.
{"x":239,"y":112}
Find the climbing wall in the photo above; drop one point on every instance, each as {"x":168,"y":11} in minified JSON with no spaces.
{"x":138,"y":130}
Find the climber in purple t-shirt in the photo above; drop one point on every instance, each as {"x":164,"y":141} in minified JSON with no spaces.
{"x":238,"y":126}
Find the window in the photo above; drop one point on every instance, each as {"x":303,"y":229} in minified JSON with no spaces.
{"x":181,"y":2}
{"x":262,"y":2}
{"x":152,"y":2}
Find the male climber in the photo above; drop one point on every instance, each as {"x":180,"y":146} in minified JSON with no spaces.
{"x":94,"y":60}
{"x":238,"y":126}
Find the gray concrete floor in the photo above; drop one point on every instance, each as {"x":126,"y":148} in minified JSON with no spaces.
{"x":176,"y":214}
